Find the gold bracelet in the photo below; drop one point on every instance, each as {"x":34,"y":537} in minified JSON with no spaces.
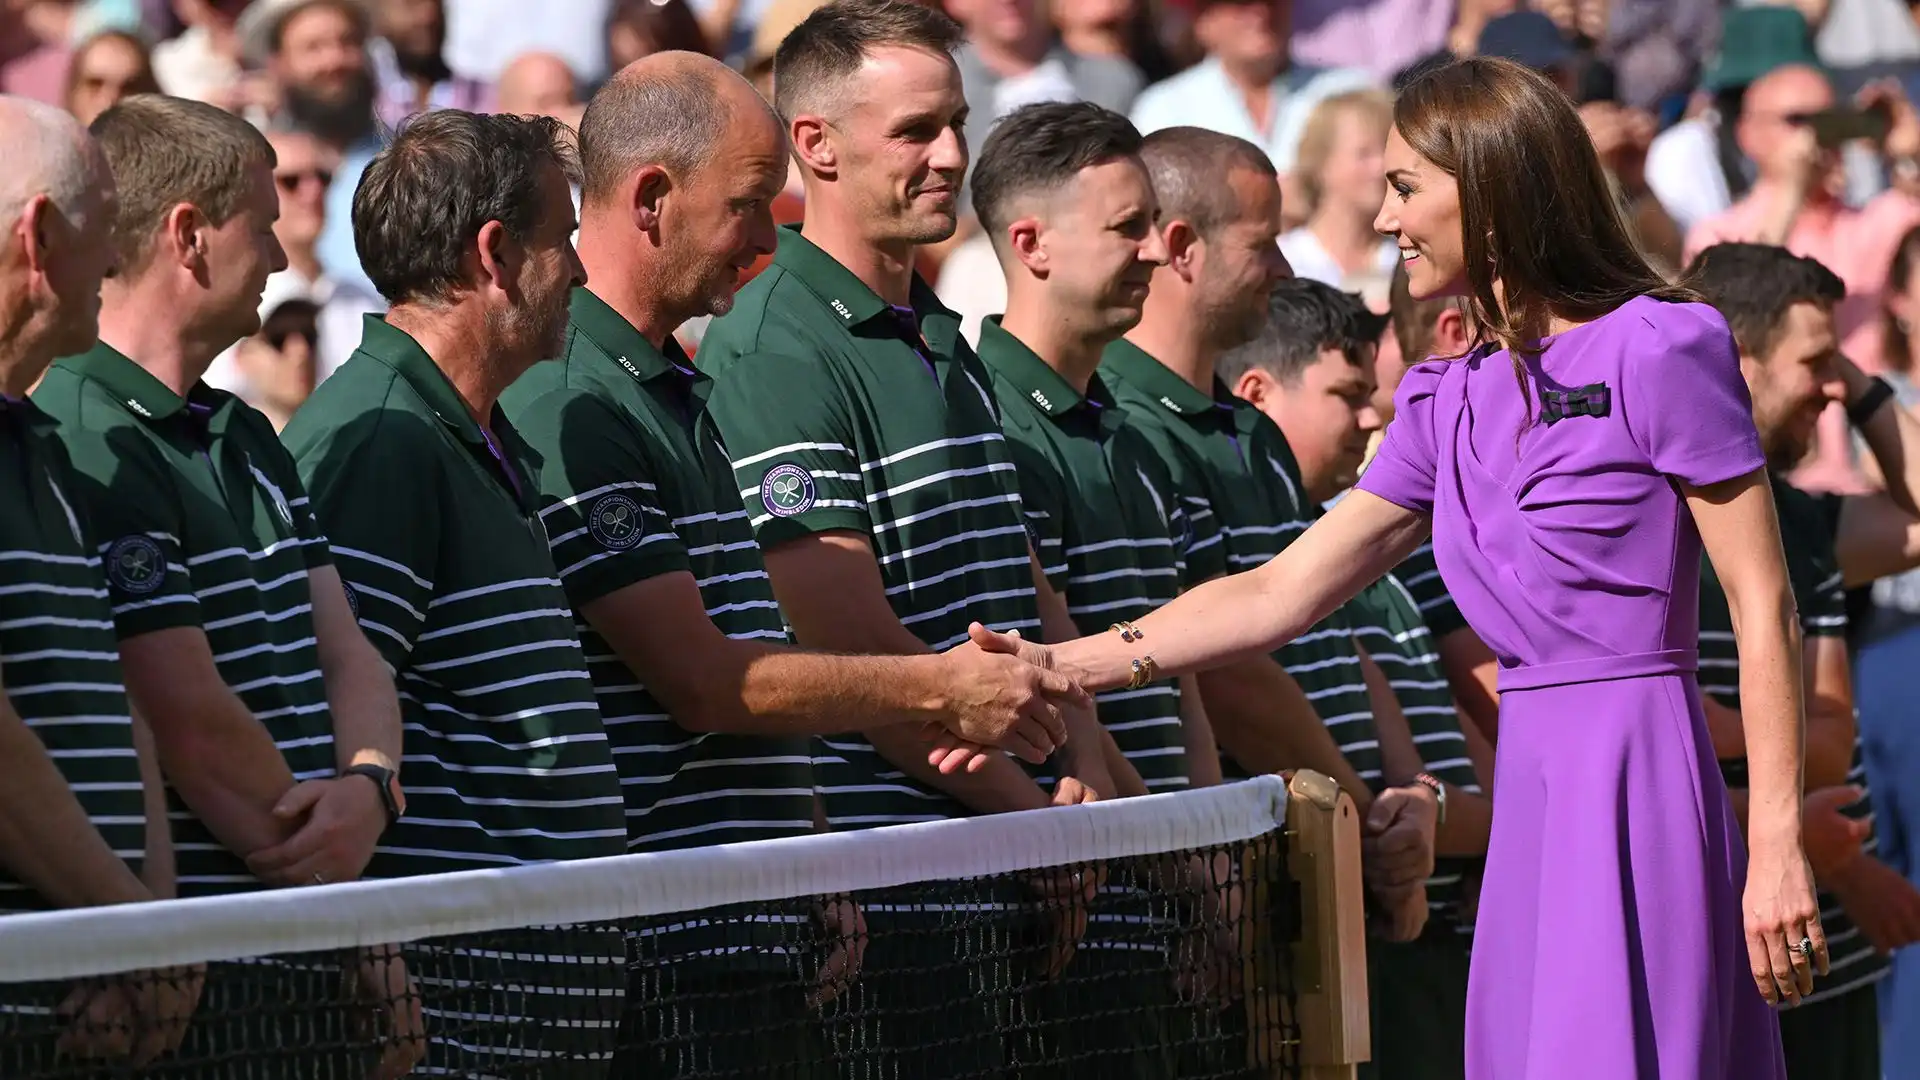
{"x":1144,"y":672}
{"x":1128,"y":631}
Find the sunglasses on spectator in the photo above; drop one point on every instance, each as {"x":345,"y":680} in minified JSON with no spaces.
{"x":289,"y":182}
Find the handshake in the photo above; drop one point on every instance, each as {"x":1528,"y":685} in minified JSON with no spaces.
{"x":1002,"y":694}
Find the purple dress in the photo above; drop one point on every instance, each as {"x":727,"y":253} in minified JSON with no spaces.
{"x":1609,"y":944}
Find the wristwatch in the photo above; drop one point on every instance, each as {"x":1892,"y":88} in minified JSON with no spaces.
{"x":1877,"y":393}
{"x":391,"y":797}
{"x":1432,"y":783}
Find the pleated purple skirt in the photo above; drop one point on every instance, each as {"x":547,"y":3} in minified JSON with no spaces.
{"x":1609,"y":944}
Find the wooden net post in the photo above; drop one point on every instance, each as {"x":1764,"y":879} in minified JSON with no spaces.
{"x":1329,"y":977}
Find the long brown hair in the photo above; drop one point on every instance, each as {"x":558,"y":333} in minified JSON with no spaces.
{"x":1537,"y":215}
{"x":1896,"y":347}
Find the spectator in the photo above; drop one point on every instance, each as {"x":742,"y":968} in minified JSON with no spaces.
{"x":107,"y":67}
{"x":278,"y":363}
{"x":1656,"y":47}
{"x":85,"y":820}
{"x":1622,"y":136}
{"x":409,"y":65}
{"x":840,"y":354}
{"x":1462,"y":39}
{"x":465,"y":220}
{"x":1341,"y":182}
{"x":1247,"y":86}
{"x":303,"y":172}
{"x":484,"y":36}
{"x":1380,"y":37}
{"x":205,"y":61}
{"x":540,"y":84}
{"x":1124,"y":30}
{"x":1796,"y":202}
{"x":316,"y":50}
{"x":277,"y":726}
{"x":640,"y":28}
{"x":35,"y":41}
{"x":1530,"y":38}
{"x":1012,"y":58}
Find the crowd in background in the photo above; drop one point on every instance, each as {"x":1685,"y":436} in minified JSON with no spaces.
{"x":1787,"y":124}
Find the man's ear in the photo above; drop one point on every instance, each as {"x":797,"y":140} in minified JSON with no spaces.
{"x":1185,"y":249}
{"x":1449,"y":333}
{"x":1253,"y":386}
{"x":813,"y":144}
{"x":651,"y":184}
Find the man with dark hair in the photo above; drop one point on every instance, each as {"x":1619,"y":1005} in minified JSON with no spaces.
{"x":658,"y":559}
{"x":277,"y":728}
{"x":1063,"y":197}
{"x":1318,"y":702}
{"x":1311,"y":372}
{"x":1780,"y":307}
{"x":880,"y":487}
{"x":83,"y":820}
{"x":463,"y":224}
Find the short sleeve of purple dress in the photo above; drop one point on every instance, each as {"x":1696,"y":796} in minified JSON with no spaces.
{"x":1610,"y":943}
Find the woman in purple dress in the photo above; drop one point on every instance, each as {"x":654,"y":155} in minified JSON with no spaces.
{"x":1570,"y":469}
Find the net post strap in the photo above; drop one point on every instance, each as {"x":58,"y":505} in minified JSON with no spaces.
{"x":78,"y":943}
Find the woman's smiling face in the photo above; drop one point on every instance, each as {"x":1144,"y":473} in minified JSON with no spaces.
{"x":1421,"y":214}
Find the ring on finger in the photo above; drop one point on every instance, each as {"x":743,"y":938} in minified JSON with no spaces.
{"x":1806,"y":948}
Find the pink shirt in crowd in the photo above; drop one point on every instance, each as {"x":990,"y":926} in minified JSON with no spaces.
{"x":1857,"y":244}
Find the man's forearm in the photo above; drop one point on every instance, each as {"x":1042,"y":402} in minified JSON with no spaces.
{"x":157,"y":870}
{"x":1468,"y":826}
{"x":1265,"y":721}
{"x":1203,"y":753}
{"x":224,"y":766}
{"x":46,"y":840}
{"x":1892,"y":434}
{"x":366,"y":711}
{"x":1473,"y":674}
{"x":998,"y":788}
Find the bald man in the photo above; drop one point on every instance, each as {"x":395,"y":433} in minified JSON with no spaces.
{"x":709,"y":710}
{"x":82,"y":819}
{"x":539,"y":84}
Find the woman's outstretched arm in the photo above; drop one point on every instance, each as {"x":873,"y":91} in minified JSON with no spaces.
{"x":1361,"y":538}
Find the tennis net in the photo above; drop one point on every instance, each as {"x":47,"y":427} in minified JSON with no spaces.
{"x":1146,"y":938}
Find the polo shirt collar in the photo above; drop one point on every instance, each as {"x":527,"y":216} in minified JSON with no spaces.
{"x":629,"y":348}
{"x":141,"y":393}
{"x":849,"y":298}
{"x":1010,"y":357}
{"x":1132,"y":364}
{"x":398,"y":350}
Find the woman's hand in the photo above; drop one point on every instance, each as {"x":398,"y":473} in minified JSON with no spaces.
{"x":1782,"y":916}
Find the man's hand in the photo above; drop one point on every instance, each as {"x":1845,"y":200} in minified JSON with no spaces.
{"x":1884,"y":905}
{"x":1401,"y":914}
{"x":344,"y":819}
{"x":1001,"y":700}
{"x":845,"y":927}
{"x":953,"y":751}
{"x":1397,"y":852}
{"x":390,"y":1014}
{"x":1833,"y":839}
{"x":138,"y":1016}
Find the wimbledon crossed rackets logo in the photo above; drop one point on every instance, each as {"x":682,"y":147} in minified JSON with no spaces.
{"x":615,"y":522}
{"x":787,"y":490}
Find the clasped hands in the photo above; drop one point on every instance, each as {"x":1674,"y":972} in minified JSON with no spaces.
{"x":1003,"y":694}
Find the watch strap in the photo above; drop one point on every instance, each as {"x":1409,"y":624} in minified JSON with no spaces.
{"x":1432,"y":783}
{"x":388,"y":785}
{"x":1877,"y":393}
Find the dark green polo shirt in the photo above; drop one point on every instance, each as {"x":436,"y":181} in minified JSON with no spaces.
{"x":840,"y":413}
{"x":205,"y":525}
{"x":441,"y":546}
{"x":59,"y":657}
{"x":438,"y":534}
{"x":1807,"y":527}
{"x":1228,"y":459}
{"x":1387,"y":623}
{"x":636,"y":484}
{"x":1112,"y":535}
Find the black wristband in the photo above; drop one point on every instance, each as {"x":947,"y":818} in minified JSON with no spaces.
{"x":1878,"y":393}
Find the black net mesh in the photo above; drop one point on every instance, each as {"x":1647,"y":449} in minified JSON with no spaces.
{"x":1174,"y":965}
